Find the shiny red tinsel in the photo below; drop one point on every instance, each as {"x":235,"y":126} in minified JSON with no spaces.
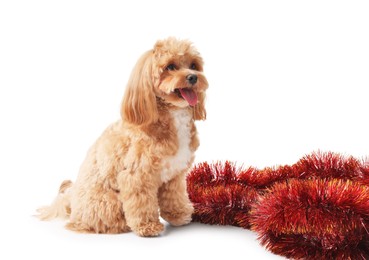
{"x":317,"y":208}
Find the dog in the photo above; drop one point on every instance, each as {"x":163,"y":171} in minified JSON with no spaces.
{"x":136,"y":170}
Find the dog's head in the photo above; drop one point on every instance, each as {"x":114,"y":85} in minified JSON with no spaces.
{"x":172,"y":72}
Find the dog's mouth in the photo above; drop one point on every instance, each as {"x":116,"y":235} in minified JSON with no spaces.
{"x":187,"y":94}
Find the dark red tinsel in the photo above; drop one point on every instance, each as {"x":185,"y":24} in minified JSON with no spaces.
{"x":317,"y":208}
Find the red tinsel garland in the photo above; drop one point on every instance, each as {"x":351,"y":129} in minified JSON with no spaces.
{"x":317,"y":208}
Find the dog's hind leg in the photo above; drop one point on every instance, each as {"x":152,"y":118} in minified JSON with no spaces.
{"x":102,"y":212}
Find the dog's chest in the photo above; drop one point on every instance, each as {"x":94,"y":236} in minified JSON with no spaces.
{"x":172,"y":165}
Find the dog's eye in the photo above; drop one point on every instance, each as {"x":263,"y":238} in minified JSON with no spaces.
{"x":193,"y":66}
{"x":171,"y":67}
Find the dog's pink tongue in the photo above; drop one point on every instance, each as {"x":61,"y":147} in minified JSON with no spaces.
{"x":189,"y":95}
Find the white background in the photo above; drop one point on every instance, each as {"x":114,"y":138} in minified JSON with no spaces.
{"x":286,"y":78}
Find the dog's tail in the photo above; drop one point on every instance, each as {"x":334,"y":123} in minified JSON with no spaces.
{"x":60,"y":206}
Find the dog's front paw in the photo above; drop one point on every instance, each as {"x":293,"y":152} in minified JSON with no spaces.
{"x":178,"y":218}
{"x":150,"y":229}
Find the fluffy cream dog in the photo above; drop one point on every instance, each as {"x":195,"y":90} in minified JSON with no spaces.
{"x":136,"y":170}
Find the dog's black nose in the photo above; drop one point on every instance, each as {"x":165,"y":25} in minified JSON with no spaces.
{"x":191,"y":78}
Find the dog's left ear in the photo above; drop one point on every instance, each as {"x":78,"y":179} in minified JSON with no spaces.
{"x":199,"y":112}
{"x":139,"y":102}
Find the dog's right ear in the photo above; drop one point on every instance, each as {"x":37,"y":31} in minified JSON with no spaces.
{"x":139,"y":102}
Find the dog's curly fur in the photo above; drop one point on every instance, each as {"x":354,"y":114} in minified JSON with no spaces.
{"x":136,"y":169}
